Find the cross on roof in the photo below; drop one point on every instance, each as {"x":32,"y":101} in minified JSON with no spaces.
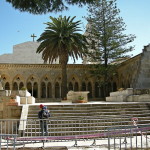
{"x":33,"y":36}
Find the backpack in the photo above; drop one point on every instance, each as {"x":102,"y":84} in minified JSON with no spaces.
{"x":45,"y":114}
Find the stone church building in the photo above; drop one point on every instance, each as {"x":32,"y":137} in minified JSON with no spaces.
{"x":25,"y":68}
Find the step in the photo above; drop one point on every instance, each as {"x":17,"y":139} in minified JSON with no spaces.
{"x":88,"y":118}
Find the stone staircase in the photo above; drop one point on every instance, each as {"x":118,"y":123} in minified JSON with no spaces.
{"x":78,"y":119}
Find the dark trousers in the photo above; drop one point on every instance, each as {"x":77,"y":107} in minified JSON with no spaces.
{"x":44,"y":128}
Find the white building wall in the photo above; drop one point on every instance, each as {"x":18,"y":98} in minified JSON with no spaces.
{"x":24,"y":53}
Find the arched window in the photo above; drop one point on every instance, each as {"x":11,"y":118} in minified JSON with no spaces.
{"x":57,"y":90}
{"x":15,"y":86}
{"x":21,"y":85}
{"x":43,"y":90}
{"x":35,"y":90}
{"x":83,"y":86}
{"x":70,"y":86}
{"x":76,"y":86}
{"x":29,"y":87}
{"x":7,"y":86}
{"x":49,"y":90}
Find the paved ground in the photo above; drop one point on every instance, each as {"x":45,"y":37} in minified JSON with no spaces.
{"x":134,"y":142}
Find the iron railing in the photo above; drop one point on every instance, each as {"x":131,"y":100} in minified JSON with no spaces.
{"x":119,"y":132}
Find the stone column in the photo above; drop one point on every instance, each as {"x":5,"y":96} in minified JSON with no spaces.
{"x":39,"y":90}
{"x":11,"y":87}
{"x":1,"y":86}
{"x":53,"y":90}
{"x":60,"y":91}
{"x":46,"y":89}
{"x":32,"y":89}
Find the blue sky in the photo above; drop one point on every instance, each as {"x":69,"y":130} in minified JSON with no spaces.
{"x":16,"y":27}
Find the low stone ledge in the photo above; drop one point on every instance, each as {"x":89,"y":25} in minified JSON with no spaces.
{"x":74,"y":95}
{"x":128,"y":91}
{"x":139,"y":98}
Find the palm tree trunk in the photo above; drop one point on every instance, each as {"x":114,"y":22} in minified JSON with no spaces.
{"x":64,"y":81}
{"x":63,"y":61}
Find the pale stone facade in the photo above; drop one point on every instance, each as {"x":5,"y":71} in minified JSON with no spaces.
{"x":24,"y":53}
{"x":44,"y":81}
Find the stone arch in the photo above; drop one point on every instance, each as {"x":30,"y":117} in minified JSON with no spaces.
{"x":29,"y":87}
{"x":33,"y":78}
{"x":19,"y":79}
{"x":15,"y":86}
{"x":58,"y":79}
{"x":49,"y":90}
{"x":32,"y":84}
{"x":73,"y":82}
{"x":5,"y":80}
{"x":70,"y":86}
{"x":46,"y":78}
{"x":46,"y":87}
{"x":86,"y":80}
{"x":7,"y":86}
{"x":57,"y":86}
{"x":35,"y":90}
{"x":76,"y":86}
{"x":73,"y":78}
{"x":57,"y":90}
{"x":83,"y":86}
{"x":21,"y":85}
{"x":43,"y":90}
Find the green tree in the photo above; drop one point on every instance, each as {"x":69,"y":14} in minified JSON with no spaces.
{"x":108,"y":42}
{"x":62,"y":39}
{"x":45,"y":6}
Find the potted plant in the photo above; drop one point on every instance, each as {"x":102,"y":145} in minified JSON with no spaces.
{"x":81,"y":99}
{"x":23,"y":88}
{"x":24,"y":92}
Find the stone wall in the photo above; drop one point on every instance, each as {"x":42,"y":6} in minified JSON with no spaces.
{"x":130,"y":95}
{"x":35,"y":76}
{"x":24,"y":53}
{"x":9,"y":108}
{"x":143,"y":78}
{"x":127,"y":72}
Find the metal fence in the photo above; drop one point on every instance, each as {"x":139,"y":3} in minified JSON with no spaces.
{"x":6,"y":143}
{"x":119,"y":132}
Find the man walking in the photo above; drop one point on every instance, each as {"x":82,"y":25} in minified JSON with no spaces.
{"x":43,"y":115}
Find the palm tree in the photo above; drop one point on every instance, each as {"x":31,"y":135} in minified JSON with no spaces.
{"x":62,"y":39}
